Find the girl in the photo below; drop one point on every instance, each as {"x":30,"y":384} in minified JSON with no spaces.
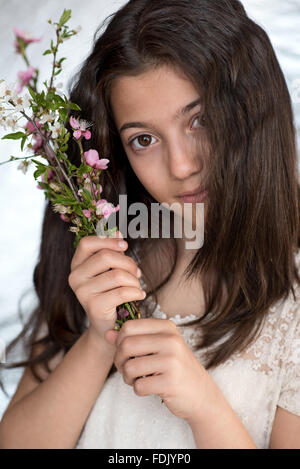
{"x":184,"y":96}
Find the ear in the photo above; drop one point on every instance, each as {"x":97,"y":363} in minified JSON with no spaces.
{"x":111,"y":336}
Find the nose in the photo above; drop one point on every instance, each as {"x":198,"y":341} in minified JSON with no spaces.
{"x":183,"y":159}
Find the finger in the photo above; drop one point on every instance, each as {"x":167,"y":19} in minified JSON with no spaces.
{"x":108,"y":301}
{"x":89,"y":245}
{"x":103,"y":261}
{"x":141,"y":367}
{"x":150,"y":385}
{"x":139,"y":345}
{"x":108,"y":281}
{"x":146,"y":326}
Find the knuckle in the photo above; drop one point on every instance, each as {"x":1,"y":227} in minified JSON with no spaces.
{"x":125,"y":344}
{"x":80,"y":291}
{"x":123,"y":293}
{"x":105,"y":255}
{"x":83,"y":243}
{"x":70,"y":279}
{"x":128,"y":368}
{"x":177,"y":341}
{"x":138,"y":387}
{"x":118,"y":275}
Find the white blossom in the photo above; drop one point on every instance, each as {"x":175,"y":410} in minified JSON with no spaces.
{"x":56,"y":129}
{"x":7,"y":92}
{"x":77,"y":221}
{"x":23,"y":166}
{"x":47,"y":117}
{"x":63,"y":209}
{"x":54,"y":187}
{"x":21,"y":103}
{"x":3,"y":122}
{"x":13,"y":124}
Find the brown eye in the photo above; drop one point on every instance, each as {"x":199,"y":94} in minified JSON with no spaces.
{"x":201,"y":119}
{"x":143,"y":140}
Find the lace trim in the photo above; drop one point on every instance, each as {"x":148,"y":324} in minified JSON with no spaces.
{"x":273,"y":348}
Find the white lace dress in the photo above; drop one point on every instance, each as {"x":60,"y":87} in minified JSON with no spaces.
{"x":266,"y":375}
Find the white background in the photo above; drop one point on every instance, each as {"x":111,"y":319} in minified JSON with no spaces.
{"x":21,"y":203}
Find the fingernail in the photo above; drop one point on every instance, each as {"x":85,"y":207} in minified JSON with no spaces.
{"x":122,"y":244}
{"x":139,"y":272}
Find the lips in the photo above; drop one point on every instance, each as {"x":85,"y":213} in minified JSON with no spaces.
{"x":194,"y":198}
{"x":194,"y":192}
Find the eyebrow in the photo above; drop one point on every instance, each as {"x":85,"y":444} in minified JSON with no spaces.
{"x":178,"y":114}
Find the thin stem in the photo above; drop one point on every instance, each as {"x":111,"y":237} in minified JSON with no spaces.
{"x":25,"y":56}
{"x":52,"y":154}
{"x":81,"y":149}
{"x":14,"y":159}
{"x":54,"y":59}
{"x":82,"y":160}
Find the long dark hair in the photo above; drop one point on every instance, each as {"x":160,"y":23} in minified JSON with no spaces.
{"x":252,"y":227}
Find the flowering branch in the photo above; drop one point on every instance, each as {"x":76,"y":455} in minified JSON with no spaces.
{"x":75,"y":192}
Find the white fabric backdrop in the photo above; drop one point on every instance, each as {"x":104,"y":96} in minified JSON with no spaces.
{"x":22,"y":204}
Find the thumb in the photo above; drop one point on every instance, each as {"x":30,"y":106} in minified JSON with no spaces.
{"x":111,"y":336}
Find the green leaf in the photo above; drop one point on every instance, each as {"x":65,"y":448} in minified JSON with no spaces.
{"x":67,"y":137}
{"x":68,"y":191}
{"x":58,"y":72}
{"x":63,"y":114}
{"x":38,"y":162}
{"x":23,"y":142}
{"x":31,"y":92}
{"x":48,"y":51}
{"x":38,"y":173}
{"x":87,"y":194}
{"x":61,"y":60}
{"x":65,"y":17}
{"x":74,"y":107}
{"x":14,"y":136}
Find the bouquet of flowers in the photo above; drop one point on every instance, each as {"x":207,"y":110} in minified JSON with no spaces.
{"x":74,"y":192}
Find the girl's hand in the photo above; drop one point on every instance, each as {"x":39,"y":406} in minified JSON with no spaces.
{"x":103,"y":277}
{"x":155,"y":347}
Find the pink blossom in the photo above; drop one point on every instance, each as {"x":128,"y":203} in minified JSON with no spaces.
{"x":102,"y":164}
{"x":79,"y":192}
{"x":38,"y":143}
{"x":25,"y":36}
{"x":74,"y":123}
{"x":80,"y":126}
{"x":92,"y":159}
{"x":63,"y":217}
{"x":25,"y":78}
{"x":50,"y":176}
{"x":87,"y":213}
{"x":30,"y":127}
{"x":105,"y":208}
{"x":123,"y":313}
{"x":36,"y":137}
{"x":77,"y":134}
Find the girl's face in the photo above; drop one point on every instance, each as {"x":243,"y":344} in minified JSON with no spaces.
{"x":165,"y":144}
